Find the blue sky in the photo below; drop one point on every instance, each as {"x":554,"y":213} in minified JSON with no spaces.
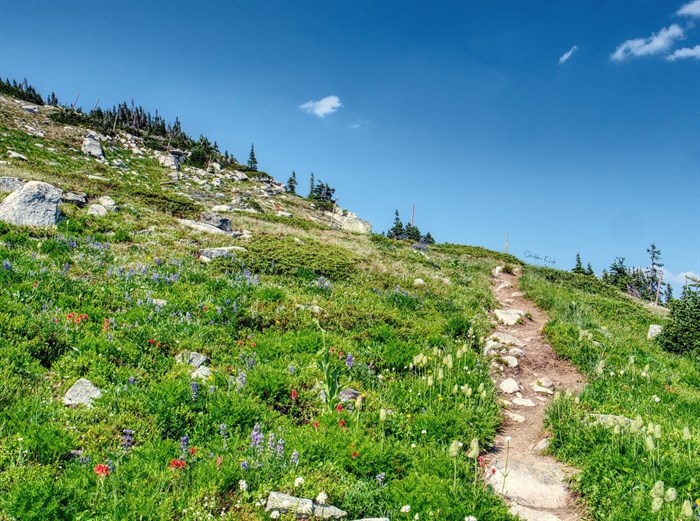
{"x":572,"y":126}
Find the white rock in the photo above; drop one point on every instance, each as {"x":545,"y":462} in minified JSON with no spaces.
{"x":222,"y":208}
{"x":97,"y":210}
{"x":92,"y":147}
{"x":541,"y":445}
{"x":511,"y":361}
{"x":540,"y":389}
{"x":503,"y":285}
{"x":10,"y":184}
{"x":516,"y":351}
{"x":524,"y":402}
{"x":531,"y":484}
{"x":506,"y":339}
{"x":201,"y":373}
{"x":191,"y":357}
{"x":201,"y":227}
{"x":509,"y":317}
{"x":81,"y":392}
{"x":34,"y":204}
{"x":516,"y":294}
{"x":654,"y":330}
{"x":497,"y":271}
{"x":517,"y":418}
{"x":16,"y":155}
{"x":509,"y":386}
{"x":545,"y":382}
{"x":419,"y":282}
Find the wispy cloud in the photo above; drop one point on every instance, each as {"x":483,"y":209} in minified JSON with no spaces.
{"x":678,"y":280}
{"x":565,"y":57}
{"x":360,"y":123}
{"x":691,"y":9}
{"x":684,"y":53}
{"x":322,"y":108}
{"x":657,"y":43}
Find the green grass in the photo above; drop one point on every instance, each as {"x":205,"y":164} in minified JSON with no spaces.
{"x":604,"y":334}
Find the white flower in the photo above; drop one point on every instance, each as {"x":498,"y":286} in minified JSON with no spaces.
{"x":656,"y":504}
{"x":470,"y":518}
{"x":242,"y":485}
{"x":405,"y":509}
{"x":671,"y":495}
{"x":298,"y":482}
{"x":413,"y":445}
{"x":274,"y":514}
{"x":424,"y":432}
{"x":416,"y":517}
{"x":321,"y":498}
{"x":656,"y":398}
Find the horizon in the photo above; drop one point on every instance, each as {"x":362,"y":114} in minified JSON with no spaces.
{"x":568,"y":128}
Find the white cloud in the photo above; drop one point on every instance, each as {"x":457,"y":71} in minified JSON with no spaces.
{"x":685,"y":52}
{"x":564,"y":57}
{"x":692,"y":8}
{"x":360,"y":123}
{"x":322,"y":108}
{"x":679,"y":280}
{"x":657,"y":43}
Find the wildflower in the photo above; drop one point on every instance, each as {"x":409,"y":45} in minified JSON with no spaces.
{"x":184,"y":443}
{"x":127,"y":439}
{"x":132,"y":380}
{"x":656,"y":504}
{"x":656,"y":398}
{"x":241,"y":380}
{"x":84,"y":460}
{"x":382,"y":415}
{"x":482,"y":461}
{"x":256,"y":437}
{"x":355,"y":454}
{"x":298,"y":482}
{"x":291,"y":370}
{"x":473,"y":448}
{"x":194,"y":389}
{"x":493,"y":470}
{"x":470,"y":518}
{"x":242,"y":485}
{"x":321,"y":498}
{"x":316,"y":425}
{"x":686,"y":509}
{"x":294,"y":458}
{"x":380,"y":478}
{"x":271,"y":442}
{"x":341,"y":422}
{"x":454,"y":449}
{"x":405,"y":509}
{"x":177,"y":464}
{"x":245,"y":465}
{"x":339,"y":407}
{"x":280,"y":448}
{"x":275,"y":514}
{"x":658,"y":489}
{"x":349,"y":361}
{"x":295,"y":395}
{"x":152,"y":341}
{"x":686,"y":434}
{"x":219,"y":461}
{"x":6,"y":265}
{"x":193,"y":451}
{"x":649,"y":442}
{"x":102,"y":470}
{"x":222,"y":431}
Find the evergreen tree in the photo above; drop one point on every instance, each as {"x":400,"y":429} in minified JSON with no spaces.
{"x":412,"y":233}
{"x":579,"y":267}
{"x":682,"y":331}
{"x":427,"y":239}
{"x":589,"y":270}
{"x":292,"y":183}
{"x":312,"y":186}
{"x":252,"y":162}
{"x":397,"y":231}
{"x":653,"y":271}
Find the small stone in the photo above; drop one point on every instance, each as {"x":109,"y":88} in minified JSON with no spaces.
{"x":517,"y":418}
{"x":349,"y":395}
{"x":545,"y":382}
{"x":77,"y":198}
{"x":516,"y":294}
{"x":541,"y":445}
{"x":81,"y":393}
{"x":509,"y":317}
{"x":92,"y":147}
{"x":497,"y":271}
{"x":191,"y":357}
{"x":524,"y":402}
{"x":16,"y":155}
{"x":503,"y":285}
{"x":222,"y":208}
{"x":516,"y":351}
{"x":281,"y":213}
{"x":506,"y":339}
{"x":226,"y":251}
{"x":418,"y":282}
{"x":540,"y":389}
{"x":204,"y":259}
{"x":509,"y":386}
{"x":510,"y":361}
{"x":97,"y":210}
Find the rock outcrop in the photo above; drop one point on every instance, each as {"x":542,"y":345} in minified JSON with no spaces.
{"x":34,"y":204}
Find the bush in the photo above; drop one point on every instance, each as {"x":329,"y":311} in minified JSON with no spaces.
{"x":682,"y":332}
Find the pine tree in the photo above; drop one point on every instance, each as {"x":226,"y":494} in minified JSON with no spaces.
{"x":589,"y":270}
{"x":292,"y":183}
{"x":252,"y":162}
{"x":427,"y":239}
{"x":579,"y":267}
{"x":312,"y":186}
{"x":397,"y":231}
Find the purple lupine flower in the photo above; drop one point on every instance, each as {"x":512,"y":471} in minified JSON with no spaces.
{"x":241,"y":380}
{"x":84,"y":460}
{"x":127,"y":297}
{"x":245,"y":465}
{"x":110,"y":464}
{"x":294,"y":458}
{"x":223,"y":432}
{"x":280,"y":448}
{"x":184,"y":443}
{"x":291,"y":369}
{"x":271,"y":442}
{"x":158,"y":261}
{"x":349,"y":360}
{"x":132,"y":380}
{"x":127,"y":439}
{"x":380,"y":478}
{"x":194,"y":389}
{"x":188,"y":317}
{"x":256,"y":437}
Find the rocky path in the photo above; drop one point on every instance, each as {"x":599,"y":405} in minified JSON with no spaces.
{"x":528,"y":373}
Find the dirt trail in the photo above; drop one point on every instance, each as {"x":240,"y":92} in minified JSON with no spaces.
{"x":534,"y":485}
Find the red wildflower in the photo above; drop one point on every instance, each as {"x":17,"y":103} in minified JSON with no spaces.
{"x":482,"y":461}
{"x":339,"y":407}
{"x":105,"y":325}
{"x":341,"y":354}
{"x":176,"y":464}
{"x":240,"y":343}
{"x":493,"y":470}
{"x":101,"y":470}
{"x":341,"y":422}
{"x":355,"y":454}
{"x":205,"y":308}
{"x":316,"y":425}
{"x":193,"y":451}
{"x":151,"y":341}
{"x":219,"y":461}
{"x":294,"y":395}
{"x":253,"y":345}
{"x":35,"y":285}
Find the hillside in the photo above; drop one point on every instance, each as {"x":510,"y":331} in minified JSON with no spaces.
{"x":232,"y":340}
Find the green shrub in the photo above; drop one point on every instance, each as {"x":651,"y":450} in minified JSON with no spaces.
{"x":681,"y":334}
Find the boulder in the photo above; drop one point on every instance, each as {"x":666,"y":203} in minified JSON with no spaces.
{"x":239,"y":176}
{"x":16,"y":155}
{"x":201,"y":373}
{"x":284,"y":503}
{"x":171,"y":159}
{"x":654,"y":330}
{"x":532,"y":484}
{"x":191,"y":358}
{"x":200,"y":227}
{"x":34,"y":204}
{"x":76,"y":198}
{"x":10,"y":184}
{"x":81,"y":393}
{"x":92,"y":147}
{"x":223,"y":223}
{"x":33,"y":109}
{"x":329,"y":512}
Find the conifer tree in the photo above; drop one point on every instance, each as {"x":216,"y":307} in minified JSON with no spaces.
{"x":579,"y":267}
{"x":292,"y":183}
{"x":252,"y":162}
{"x":589,"y":270}
{"x":397,"y":231}
{"x":312,"y":186}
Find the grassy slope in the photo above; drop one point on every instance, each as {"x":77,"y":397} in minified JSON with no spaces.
{"x":604,"y":334}
{"x":252,"y":317}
